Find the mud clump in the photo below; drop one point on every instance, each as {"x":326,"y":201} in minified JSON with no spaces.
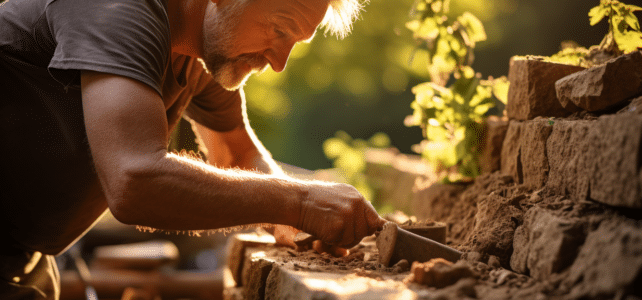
{"x":439,"y":273}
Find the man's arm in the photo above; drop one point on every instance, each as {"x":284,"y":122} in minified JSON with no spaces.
{"x":238,"y":147}
{"x":145,"y":185}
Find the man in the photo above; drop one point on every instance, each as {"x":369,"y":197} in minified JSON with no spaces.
{"x":90,"y":92}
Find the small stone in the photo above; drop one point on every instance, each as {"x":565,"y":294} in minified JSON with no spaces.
{"x":402,"y":266}
{"x":472,"y":256}
{"x":493,"y":261}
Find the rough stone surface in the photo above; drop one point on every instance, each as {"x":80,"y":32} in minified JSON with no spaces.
{"x":634,"y":107}
{"x":566,"y":149}
{"x":603,"y":86}
{"x":524,"y":152}
{"x":532,"y":90}
{"x":546,"y":243}
{"x":256,"y":277}
{"x":495,"y":222}
{"x":533,"y":155}
{"x":614,"y":160}
{"x":609,"y":262}
{"x":510,"y":159}
{"x":494,"y":133}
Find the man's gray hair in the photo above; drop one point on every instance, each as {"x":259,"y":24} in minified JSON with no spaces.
{"x":340,"y":16}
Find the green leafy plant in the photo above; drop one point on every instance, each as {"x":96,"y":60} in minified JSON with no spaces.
{"x":348,"y":157}
{"x":451,"y":116}
{"x":624,"y":28}
{"x":624,"y":35}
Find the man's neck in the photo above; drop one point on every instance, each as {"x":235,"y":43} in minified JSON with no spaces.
{"x":186,"y":26}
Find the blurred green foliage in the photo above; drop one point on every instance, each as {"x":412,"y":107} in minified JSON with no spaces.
{"x":451,"y":116}
{"x":348,"y":156}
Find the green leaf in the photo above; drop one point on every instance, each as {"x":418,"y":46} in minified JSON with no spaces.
{"x":500,"y":89}
{"x":633,"y":8}
{"x":598,"y":13}
{"x":632,"y":21}
{"x":473,"y":25}
{"x":380,"y":140}
{"x":427,"y":30}
{"x":628,"y":41}
{"x":333,"y":147}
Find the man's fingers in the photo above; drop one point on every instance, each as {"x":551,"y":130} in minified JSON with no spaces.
{"x":335,"y":251}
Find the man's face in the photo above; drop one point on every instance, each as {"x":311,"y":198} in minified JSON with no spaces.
{"x":242,"y":37}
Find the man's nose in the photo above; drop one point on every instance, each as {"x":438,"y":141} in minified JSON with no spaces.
{"x":278,"y":57}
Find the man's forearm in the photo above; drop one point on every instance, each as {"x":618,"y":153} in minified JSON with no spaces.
{"x":210,"y":197}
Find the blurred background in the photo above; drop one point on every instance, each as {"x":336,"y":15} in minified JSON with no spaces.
{"x":362,"y":84}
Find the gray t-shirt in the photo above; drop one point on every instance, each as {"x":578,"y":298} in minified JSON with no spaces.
{"x":50,"y":193}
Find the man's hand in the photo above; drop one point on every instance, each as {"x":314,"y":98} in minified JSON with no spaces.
{"x":338,"y":215}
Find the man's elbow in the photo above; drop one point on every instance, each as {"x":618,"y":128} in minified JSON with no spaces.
{"x":133,"y":187}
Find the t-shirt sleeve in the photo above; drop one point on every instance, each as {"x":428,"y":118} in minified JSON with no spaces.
{"x":125,"y":37}
{"x":215,"y":107}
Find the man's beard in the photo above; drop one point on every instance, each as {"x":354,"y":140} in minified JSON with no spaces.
{"x":230,"y":73}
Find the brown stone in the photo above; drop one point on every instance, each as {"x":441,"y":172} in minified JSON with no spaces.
{"x":256,"y":280}
{"x":495,"y":222}
{"x":545,"y":244}
{"x":494,"y":133}
{"x":635,"y":106}
{"x":532,"y":151}
{"x":236,"y":247}
{"x":524,"y":152}
{"x":613,"y":160}
{"x":567,"y":148}
{"x":510,"y":158}
{"x":532,"y":88}
{"x":609,"y":262}
{"x":603,"y":86}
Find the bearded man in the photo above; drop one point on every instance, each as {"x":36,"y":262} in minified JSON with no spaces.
{"x":91,"y":90}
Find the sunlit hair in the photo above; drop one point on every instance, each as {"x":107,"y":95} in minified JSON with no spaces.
{"x":340,"y":16}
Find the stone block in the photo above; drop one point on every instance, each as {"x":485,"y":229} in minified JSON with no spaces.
{"x":603,"y":86}
{"x":609,"y":262}
{"x":524,"y":152}
{"x":510,"y":158}
{"x":532,"y":88}
{"x":236,"y":247}
{"x":614,"y":160}
{"x":546,"y":244}
{"x":494,"y":133}
{"x":534,"y":159}
{"x":567,"y":148}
